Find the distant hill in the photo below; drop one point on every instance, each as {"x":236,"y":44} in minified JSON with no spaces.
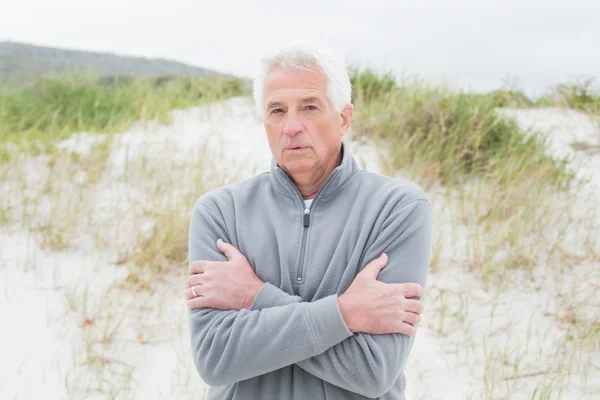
{"x":20,"y":62}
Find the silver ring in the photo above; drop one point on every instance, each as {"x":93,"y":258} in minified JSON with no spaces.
{"x":194,"y":290}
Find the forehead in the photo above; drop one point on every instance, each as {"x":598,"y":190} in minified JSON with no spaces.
{"x":283,"y":83}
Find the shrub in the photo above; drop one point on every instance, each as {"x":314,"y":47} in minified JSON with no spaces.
{"x":448,"y":135}
{"x":51,"y":109}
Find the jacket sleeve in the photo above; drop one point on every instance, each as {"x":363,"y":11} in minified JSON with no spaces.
{"x":230,"y":346}
{"x":363,"y":363}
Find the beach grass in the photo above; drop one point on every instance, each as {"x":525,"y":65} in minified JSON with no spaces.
{"x":507,"y":204}
{"x":582,"y":94}
{"x":37,"y":115}
{"x":448,"y":136}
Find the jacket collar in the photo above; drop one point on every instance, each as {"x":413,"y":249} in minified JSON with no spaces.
{"x":340,"y":175}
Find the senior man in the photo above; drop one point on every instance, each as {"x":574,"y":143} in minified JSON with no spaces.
{"x":304,"y":282}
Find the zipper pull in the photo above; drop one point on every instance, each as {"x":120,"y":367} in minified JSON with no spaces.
{"x":306,"y":217}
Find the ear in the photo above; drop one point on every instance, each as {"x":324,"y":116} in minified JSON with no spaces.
{"x":346,"y":117}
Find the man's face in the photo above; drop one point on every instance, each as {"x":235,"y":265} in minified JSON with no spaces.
{"x":303,"y":129}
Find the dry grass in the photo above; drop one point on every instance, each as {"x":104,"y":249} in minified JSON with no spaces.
{"x":514,"y":226}
{"x":36,"y":116}
{"x":135,"y":213}
{"x":517,"y":291}
{"x":514,"y":286}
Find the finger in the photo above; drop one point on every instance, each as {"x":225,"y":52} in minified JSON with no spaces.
{"x":229,"y":250}
{"x":198,"y":302}
{"x":189,"y":292}
{"x":197,"y":267}
{"x":412,"y":318}
{"x":196,"y":291}
{"x":413,"y":306}
{"x":408,"y":329}
{"x":411,"y":289}
{"x":374,"y":267}
{"x":193,"y":280}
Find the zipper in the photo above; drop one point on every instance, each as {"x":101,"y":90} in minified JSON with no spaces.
{"x":306,"y":217}
{"x":305,"y":221}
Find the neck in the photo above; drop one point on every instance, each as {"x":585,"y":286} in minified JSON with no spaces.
{"x":309,"y":183}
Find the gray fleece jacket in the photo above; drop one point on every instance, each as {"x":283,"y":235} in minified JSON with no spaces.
{"x":293,"y":342}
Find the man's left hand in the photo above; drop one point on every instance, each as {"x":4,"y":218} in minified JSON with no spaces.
{"x":229,"y":285}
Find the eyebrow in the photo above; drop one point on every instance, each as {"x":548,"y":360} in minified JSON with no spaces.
{"x":311,"y":99}
{"x":279,"y":104}
{"x":274,"y":104}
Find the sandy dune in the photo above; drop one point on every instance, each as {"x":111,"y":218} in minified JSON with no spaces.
{"x":70,"y":330}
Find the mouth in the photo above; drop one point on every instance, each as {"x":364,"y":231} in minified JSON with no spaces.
{"x":296,"y":148}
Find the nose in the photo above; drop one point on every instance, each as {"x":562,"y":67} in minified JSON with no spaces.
{"x":292,"y":124}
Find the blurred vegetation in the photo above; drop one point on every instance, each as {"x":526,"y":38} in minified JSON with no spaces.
{"x":451,"y":134}
{"x":368,"y":85}
{"x":507,"y":98}
{"x":37,"y":115}
{"x":448,"y":135}
{"x":580,"y":95}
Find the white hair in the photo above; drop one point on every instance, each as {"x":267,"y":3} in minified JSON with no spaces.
{"x":309,"y":57}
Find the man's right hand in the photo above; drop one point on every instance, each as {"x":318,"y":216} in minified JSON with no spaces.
{"x":371,"y":306}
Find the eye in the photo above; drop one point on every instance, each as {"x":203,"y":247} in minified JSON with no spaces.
{"x":276,"y":111}
{"x":311,"y":107}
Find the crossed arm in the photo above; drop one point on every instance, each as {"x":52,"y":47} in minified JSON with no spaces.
{"x":234,"y":345}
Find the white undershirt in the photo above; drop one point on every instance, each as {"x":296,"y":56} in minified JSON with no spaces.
{"x":308,"y":202}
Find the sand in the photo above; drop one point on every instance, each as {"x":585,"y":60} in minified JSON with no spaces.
{"x":467,"y":334}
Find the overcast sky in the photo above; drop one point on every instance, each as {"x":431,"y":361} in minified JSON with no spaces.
{"x":471,"y":43}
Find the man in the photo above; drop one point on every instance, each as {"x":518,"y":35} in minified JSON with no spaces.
{"x":305,"y":281}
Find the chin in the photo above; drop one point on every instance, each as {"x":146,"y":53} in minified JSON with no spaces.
{"x":297,"y":166}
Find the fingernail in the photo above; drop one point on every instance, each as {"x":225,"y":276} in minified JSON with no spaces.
{"x":219,"y":241}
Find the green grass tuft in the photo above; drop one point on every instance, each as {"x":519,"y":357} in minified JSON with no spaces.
{"x":579,"y":95}
{"x":508,"y":99}
{"x":448,"y":136}
{"x":368,"y":85}
{"x":51,"y":109}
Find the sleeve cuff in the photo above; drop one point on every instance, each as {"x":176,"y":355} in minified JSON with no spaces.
{"x":271,"y":296}
{"x":327,"y":322}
